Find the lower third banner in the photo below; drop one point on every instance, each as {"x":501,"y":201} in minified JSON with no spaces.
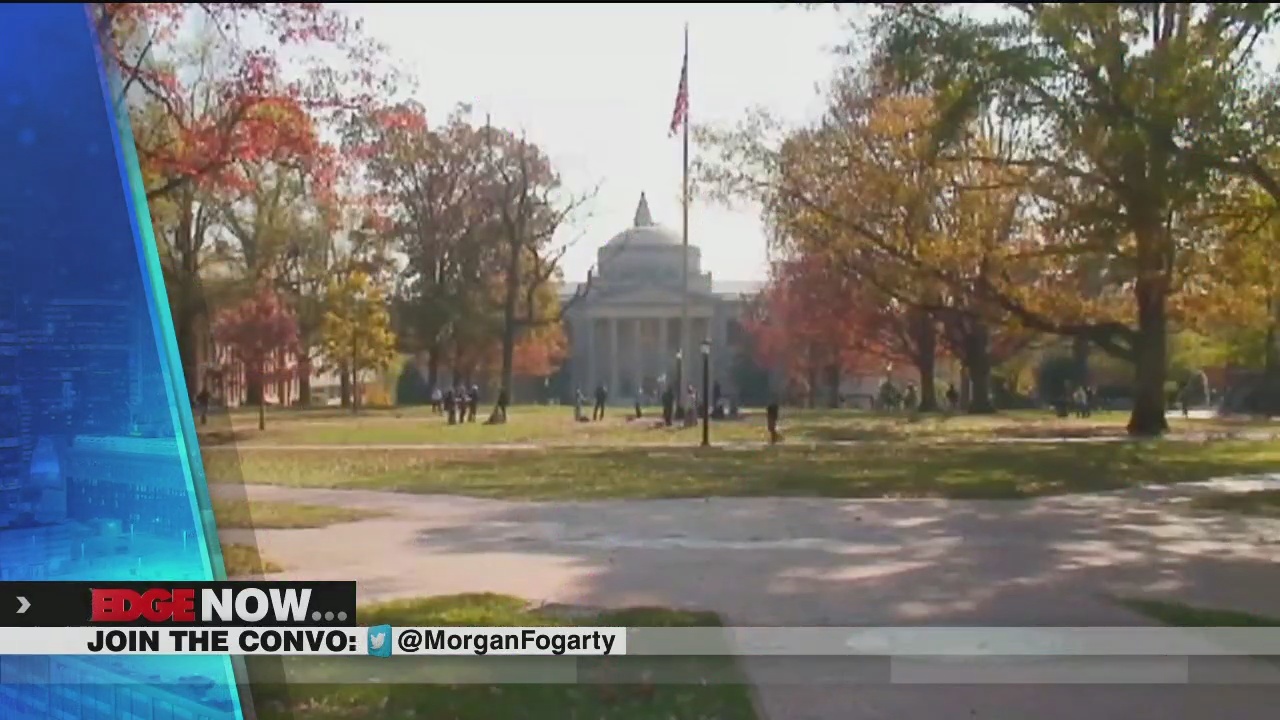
{"x":377,"y":641}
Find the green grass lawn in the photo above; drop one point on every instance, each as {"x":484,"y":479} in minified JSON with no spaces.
{"x":960,"y":470}
{"x":541,"y":424}
{"x":271,"y":515}
{"x":1264,"y":503}
{"x":607,"y":688}
{"x":1180,"y":615}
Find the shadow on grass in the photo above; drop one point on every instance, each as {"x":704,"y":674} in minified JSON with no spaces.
{"x":890,"y":470}
{"x":473,"y":688}
{"x":1181,"y":615}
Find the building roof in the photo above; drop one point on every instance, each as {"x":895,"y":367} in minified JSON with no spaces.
{"x":723,"y":288}
{"x":644,"y":231}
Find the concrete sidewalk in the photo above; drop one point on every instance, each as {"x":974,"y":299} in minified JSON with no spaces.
{"x":816,"y":562}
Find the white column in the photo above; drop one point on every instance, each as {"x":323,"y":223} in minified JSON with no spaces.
{"x":613,"y":356}
{"x":664,"y":343}
{"x":637,"y":356}
{"x":591,"y":358}
{"x":719,"y":370}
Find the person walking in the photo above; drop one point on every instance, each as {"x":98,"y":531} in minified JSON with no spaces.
{"x":202,"y":402}
{"x":602,"y":396}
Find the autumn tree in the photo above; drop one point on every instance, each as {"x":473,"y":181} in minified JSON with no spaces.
{"x":1234,"y":300}
{"x":275,"y":68}
{"x":531,"y":206}
{"x":261,"y":334}
{"x":860,"y":192}
{"x":303,"y":277}
{"x":809,"y":324}
{"x":357,"y":330}
{"x":211,"y":86}
{"x":432,"y":187}
{"x":1119,"y":94}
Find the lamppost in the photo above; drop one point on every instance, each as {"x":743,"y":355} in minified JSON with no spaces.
{"x":706,"y":385}
{"x":679,"y":388}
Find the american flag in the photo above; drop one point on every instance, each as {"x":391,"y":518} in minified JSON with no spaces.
{"x":680,"y":115}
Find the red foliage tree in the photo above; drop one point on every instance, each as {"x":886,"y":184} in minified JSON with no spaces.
{"x":261,"y":333}
{"x":820,"y":325}
{"x":247,"y":104}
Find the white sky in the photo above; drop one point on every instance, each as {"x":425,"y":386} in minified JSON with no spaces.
{"x":594,"y":85}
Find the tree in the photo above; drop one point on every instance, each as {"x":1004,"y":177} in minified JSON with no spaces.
{"x":431,"y":186}
{"x":251,"y":98}
{"x":1117,"y":93}
{"x":305,"y":273}
{"x":208,"y":88}
{"x":357,"y":328}
{"x":261,"y":333}
{"x":531,"y":206}
{"x":862,"y":193}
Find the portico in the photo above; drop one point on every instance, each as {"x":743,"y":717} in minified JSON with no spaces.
{"x":628,"y":351}
{"x":626,"y":331}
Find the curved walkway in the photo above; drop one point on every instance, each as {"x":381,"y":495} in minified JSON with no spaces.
{"x":801,"y":561}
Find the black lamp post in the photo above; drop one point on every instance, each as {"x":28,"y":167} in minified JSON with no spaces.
{"x":679,"y":388}
{"x":706,"y":385}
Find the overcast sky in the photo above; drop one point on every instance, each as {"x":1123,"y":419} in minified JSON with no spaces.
{"x":595,"y":85}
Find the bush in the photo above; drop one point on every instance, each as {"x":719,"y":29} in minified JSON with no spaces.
{"x":376,"y":396}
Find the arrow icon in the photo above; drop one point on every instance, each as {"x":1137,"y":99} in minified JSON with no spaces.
{"x":23,"y":604}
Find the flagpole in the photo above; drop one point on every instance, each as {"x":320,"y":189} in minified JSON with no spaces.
{"x":684,"y":268}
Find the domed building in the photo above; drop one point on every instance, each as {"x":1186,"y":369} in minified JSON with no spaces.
{"x":624,"y":323}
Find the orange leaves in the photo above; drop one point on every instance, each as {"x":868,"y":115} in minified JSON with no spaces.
{"x":540,"y":351}
{"x":225,"y":99}
{"x":812,"y":318}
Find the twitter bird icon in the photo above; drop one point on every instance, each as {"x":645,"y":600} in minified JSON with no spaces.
{"x":380,"y":641}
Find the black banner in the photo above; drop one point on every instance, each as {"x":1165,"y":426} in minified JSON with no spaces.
{"x":234,"y":603}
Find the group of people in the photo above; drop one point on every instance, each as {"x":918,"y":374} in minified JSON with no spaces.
{"x":671,"y":410}
{"x":891,"y":398}
{"x":461,"y":404}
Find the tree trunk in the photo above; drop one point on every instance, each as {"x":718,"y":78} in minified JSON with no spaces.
{"x":304,"y":381}
{"x":344,"y":385}
{"x":978,"y":362}
{"x":966,"y":388}
{"x":355,"y":378}
{"x":834,"y":378}
{"x":926,"y":360}
{"x":509,"y":328}
{"x":811,"y":381}
{"x":433,"y":367}
{"x":1150,"y":360}
{"x":253,"y":390}
{"x":184,"y":331}
{"x":261,"y":400}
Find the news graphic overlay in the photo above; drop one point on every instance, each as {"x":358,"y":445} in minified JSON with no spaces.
{"x":553,"y":641}
{"x":100,"y":479}
{"x":252,"y":618}
{"x":379,"y":641}
{"x":210,"y":618}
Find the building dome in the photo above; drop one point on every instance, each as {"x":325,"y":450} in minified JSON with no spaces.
{"x":644,"y":231}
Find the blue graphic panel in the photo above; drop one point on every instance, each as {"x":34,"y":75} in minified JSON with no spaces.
{"x":99,"y":478}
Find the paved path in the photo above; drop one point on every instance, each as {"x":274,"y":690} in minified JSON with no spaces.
{"x":801,"y":561}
